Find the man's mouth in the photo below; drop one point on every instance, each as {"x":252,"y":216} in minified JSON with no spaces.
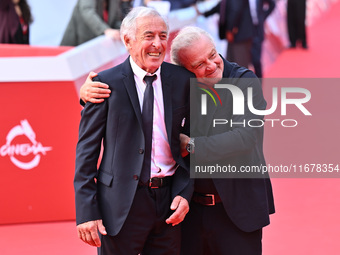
{"x":154,"y":54}
{"x":212,"y":73}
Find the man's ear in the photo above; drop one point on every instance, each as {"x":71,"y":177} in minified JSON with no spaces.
{"x":127,"y":41}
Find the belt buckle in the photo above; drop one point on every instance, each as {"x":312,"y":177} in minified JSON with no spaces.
{"x":212,"y":199}
{"x":159,"y":180}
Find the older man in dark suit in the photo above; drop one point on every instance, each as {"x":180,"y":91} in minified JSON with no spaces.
{"x":141,"y":175}
{"x":227,"y":213}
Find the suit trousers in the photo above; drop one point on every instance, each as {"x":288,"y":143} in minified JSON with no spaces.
{"x":256,"y":52}
{"x":207,"y":230}
{"x":240,"y":52}
{"x":145,"y":230}
{"x":296,"y":18}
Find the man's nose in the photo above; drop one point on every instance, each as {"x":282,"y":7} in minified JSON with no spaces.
{"x":156,"y":42}
{"x":211,"y":65}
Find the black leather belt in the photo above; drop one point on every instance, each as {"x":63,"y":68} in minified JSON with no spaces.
{"x":156,"y":182}
{"x":206,"y":199}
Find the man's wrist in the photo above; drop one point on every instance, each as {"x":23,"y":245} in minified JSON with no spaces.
{"x":191,"y":146}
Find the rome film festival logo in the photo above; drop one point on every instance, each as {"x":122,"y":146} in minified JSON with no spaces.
{"x":25,"y":149}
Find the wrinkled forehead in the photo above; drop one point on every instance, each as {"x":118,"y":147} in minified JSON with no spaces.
{"x":197,"y":51}
{"x":150,"y":24}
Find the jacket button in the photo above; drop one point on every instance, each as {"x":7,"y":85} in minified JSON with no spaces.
{"x":135,"y":177}
{"x":141,"y":151}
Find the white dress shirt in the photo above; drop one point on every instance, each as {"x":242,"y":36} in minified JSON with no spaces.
{"x":162,"y":162}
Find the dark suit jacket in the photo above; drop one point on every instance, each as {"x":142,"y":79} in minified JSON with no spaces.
{"x":118,"y":122}
{"x":235,"y":14}
{"x":262,"y":15}
{"x":249,"y":201}
{"x":178,"y":4}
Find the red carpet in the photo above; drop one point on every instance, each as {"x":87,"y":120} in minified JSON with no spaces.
{"x":307,"y":219}
{"x":57,"y":238}
{"x":322,"y":58}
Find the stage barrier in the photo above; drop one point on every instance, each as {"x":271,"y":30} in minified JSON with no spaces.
{"x":39,"y":120}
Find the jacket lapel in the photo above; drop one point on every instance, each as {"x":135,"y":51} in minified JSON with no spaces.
{"x":167,"y":100}
{"x":129,"y":82}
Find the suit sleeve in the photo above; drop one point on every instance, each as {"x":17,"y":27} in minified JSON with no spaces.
{"x":215,"y":9}
{"x":188,"y":190}
{"x":235,"y":12}
{"x":91,"y":18}
{"x":91,"y":132}
{"x":241,"y":138}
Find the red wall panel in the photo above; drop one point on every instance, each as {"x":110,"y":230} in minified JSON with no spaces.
{"x":38,"y":135}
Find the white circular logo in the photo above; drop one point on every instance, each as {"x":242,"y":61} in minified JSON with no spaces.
{"x":25,"y":149}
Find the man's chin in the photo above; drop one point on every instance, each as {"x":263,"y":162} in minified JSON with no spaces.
{"x":210,"y":81}
{"x":155,"y":63}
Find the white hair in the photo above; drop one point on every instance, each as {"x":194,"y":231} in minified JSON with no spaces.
{"x":185,"y":38}
{"x":129,"y":24}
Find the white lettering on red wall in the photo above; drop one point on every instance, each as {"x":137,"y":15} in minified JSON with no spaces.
{"x":32,"y":150}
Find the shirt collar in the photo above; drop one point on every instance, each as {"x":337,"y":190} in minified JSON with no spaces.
{"x":140,"y":73}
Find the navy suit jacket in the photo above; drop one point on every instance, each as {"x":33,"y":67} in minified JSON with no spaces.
{"x":178,"y":4}
{"x":262,"y":14}
{"x":234,"y":15}
{"x":108,"y":193}
{"x":247,"y":201}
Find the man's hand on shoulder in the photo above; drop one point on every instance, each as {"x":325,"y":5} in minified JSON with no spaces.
{"x":93,"y":91}
{"x":180,"y":206}
{"x":88,"y":232}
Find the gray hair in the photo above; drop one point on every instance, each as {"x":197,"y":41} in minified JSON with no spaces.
{"x":185,"y":39}
{"x":129,"y":23}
